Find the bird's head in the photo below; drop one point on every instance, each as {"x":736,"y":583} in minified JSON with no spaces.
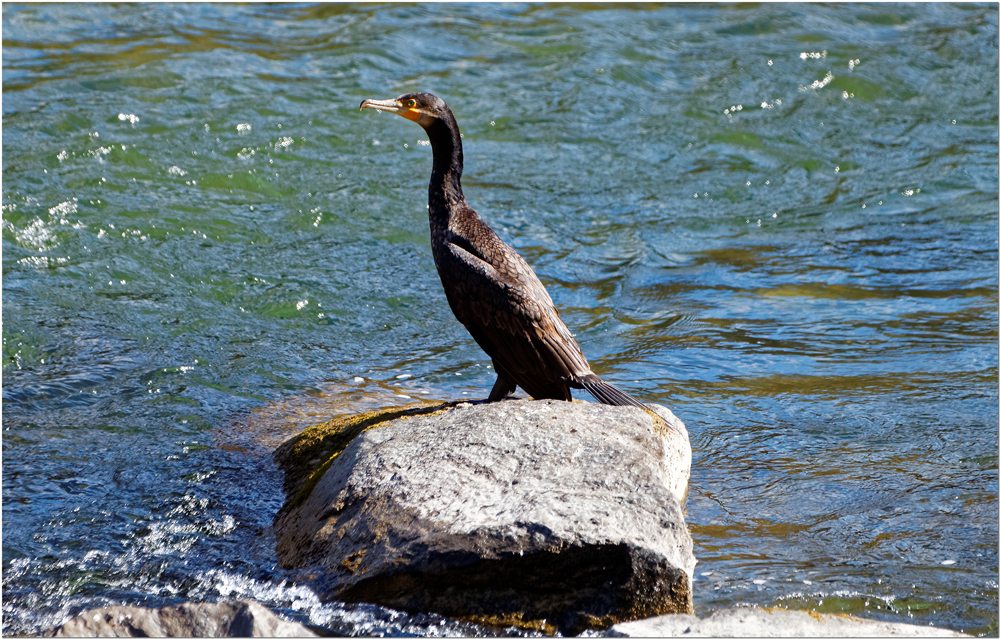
{"x":422,"y":108}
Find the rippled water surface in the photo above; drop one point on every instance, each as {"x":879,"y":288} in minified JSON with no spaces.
{"x":780,"y":221}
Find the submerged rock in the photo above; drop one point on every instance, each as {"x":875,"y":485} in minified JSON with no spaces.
{"x":226,"y":619}
{"x":757,"y":622}
{"x":545,"y":514}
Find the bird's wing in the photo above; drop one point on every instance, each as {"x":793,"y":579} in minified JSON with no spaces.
{"x":509,"y":313}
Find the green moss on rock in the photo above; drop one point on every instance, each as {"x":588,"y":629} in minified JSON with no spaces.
{"x":308,"y":455}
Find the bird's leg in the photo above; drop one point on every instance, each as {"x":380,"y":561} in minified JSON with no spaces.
{"x":502,"y":389}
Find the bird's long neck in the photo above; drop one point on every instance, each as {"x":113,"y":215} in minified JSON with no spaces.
{"x":444,"y":194}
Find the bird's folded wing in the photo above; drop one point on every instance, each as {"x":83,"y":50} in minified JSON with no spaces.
{"x":511,"y":316}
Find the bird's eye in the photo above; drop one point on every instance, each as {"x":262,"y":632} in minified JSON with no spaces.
{"x":411,"y":103}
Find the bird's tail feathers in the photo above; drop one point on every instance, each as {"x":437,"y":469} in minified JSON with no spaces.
{"x":608,"y":394}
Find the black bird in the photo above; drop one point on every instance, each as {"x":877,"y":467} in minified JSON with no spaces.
{"x":490,"y":288}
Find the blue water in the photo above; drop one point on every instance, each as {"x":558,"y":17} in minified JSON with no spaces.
{"x":778,"y":220}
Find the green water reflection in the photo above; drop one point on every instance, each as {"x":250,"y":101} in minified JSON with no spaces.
{"x":778,"y":220}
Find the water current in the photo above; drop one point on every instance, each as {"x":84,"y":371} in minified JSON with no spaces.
{"x":778,"y":220}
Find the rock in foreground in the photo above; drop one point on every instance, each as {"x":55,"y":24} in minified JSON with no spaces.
{"x":757,"y":622}
{"x":228,"y":619}
{"x":543,"y":514}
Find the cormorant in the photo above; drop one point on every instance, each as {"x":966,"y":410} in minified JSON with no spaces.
{"x":491,"y":289}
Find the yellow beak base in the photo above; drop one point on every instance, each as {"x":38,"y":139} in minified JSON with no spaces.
{"x":410,"y":114}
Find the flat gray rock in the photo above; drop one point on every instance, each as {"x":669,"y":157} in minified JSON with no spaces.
{"x":543,"y":514}
{"x":757,"y":622}
{"x":227,"y":619}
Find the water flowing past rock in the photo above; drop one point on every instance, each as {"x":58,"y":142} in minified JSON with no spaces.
{"x":757,"y":622}
{"x":229,"y":619}
{"x":542,"y":514}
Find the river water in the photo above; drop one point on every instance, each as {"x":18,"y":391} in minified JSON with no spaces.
{"x":778,"y":220}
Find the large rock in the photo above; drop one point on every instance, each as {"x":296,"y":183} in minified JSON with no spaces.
{"x":229,"y":619}
{"x":543,"y":514}
{"x":757,"y":622}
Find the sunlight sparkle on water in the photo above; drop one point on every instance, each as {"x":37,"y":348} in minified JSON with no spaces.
{"x":819,"y":84}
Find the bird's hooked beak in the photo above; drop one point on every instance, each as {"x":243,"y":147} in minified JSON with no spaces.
{"x":393,"y":106}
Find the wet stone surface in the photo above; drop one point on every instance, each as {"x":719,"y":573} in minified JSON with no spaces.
{"x":540,"y":514}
